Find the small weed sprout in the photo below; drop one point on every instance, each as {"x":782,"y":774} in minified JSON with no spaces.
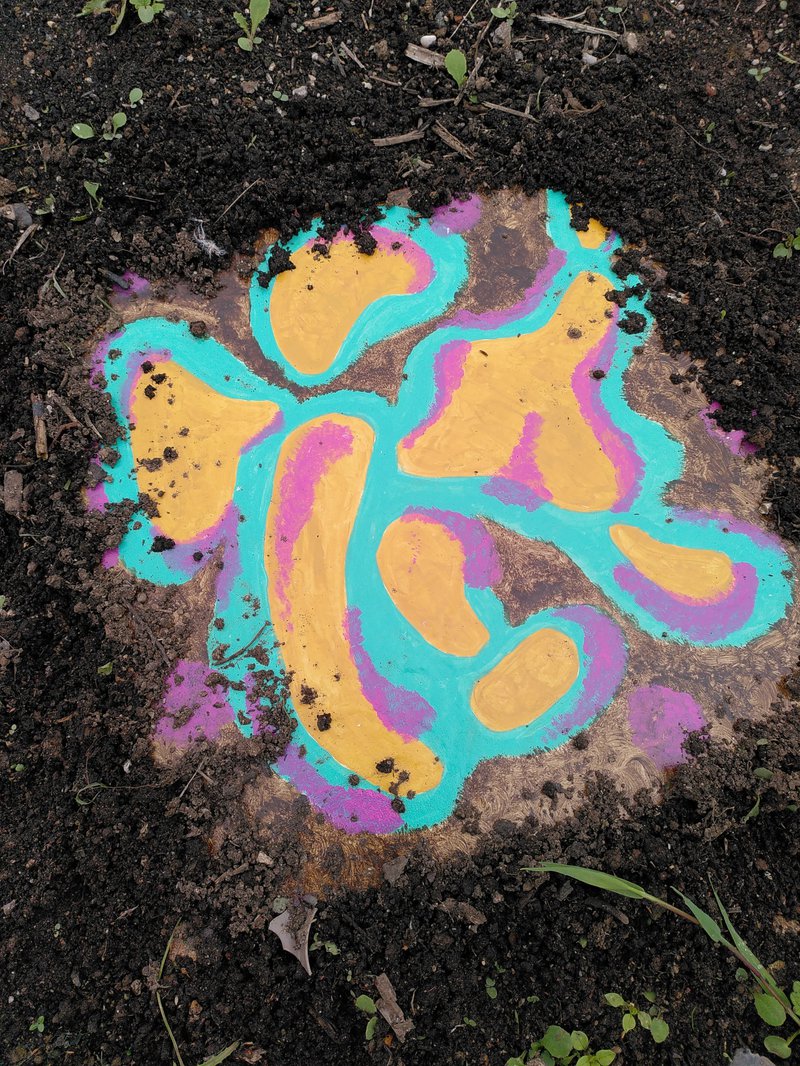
{"x":135,"y":97}
{"x":37,"y":1025}
{"x":258,"y":10}
{"x":328,"y":945}
{"x":559,"y":1048}
{"x":145,"y":9}
{"x":366,"y":1004}
{"x":788,"y":246}
{"x":95,"y":201}
{"x":759,"y":73}
{"x":455,"y":63}
{"x":649,"y":1019}
{"x":83,"y":131}
{"x":506,"y":11}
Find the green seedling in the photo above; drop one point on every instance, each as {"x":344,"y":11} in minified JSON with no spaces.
{"x":113,"y":125}
{"x":135,"y":97}
{"x":83,"y":131}
{"x":759,"y":73}
{"x":145,"y":9}
{"x":709,"y":131}
{"x":491,"y":989}
{"x":366,"y":1004}
{"x":632,"y":1015}
{"x":328,"y":945}
{"x":773,"y":1005}
{"x":258,"y":11}
{"x":105,"y":670}
{"x":559,"y":1048}
{"x":95,"y":201}
{"x":455,"y":63}
{"x":47,"y":208}
{"x":788,"y":246}
{"x":506,"y":11}
{"x":37,"y":1025}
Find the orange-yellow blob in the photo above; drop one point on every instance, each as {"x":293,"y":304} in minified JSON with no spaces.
{"x":421,"y":564}
{"x":186,"y":443}
{"x":314,"y":306}
{"x":505,"y":381}
{"x":527,"y":682}
{"x":594,"y":236}
{"x":696,"y":573}
{"x":308,"y":606}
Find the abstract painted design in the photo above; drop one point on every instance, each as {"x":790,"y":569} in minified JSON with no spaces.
{"x":354,"y":534}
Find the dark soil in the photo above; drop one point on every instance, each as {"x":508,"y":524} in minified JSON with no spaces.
{"x":92,"y":882}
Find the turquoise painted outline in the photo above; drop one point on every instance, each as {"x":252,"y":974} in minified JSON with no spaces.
{"x":396,"y":649}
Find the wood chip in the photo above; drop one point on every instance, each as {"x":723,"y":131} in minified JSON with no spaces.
{"x":324,"y":20}
{"x":452,"y":141}
{"x":424,"y":55}
{"x":390,"y":1009}
{"x":39,"y":425}
{"x":12,"y":492}
{"x":578,"y":27}
{"x":399,"y":138}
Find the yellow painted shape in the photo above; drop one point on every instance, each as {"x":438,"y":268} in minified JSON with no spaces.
{"x":594,"y":236}
{"x":504,"y":380}
{"x":527,"y":682}
{"x":695,"y":573}
{"x":422,"y":566}
{"x":310,"y":623}
{"x":314,"y":306}
{"x":193,"y":490}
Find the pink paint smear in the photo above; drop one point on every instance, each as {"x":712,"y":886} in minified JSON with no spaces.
{"x":660,"y":719}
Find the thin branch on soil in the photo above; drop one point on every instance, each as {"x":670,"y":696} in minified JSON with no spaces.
{"x":578,"y":27}
{"x":28,"y":233}
{"x":238,"y":198}
{"x":399,"y":138}
{"x":452,"y":141}
{"x":508,"y":110}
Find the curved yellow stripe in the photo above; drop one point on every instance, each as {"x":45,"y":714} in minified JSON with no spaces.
{"x":314,"y":306}
{"x":422,"y":566}
{"x":696,"y":573}
{"x":527,"y":682}
{"x":508,"y":379}
{"x":186,"y":442}
{"x":309,"y":612}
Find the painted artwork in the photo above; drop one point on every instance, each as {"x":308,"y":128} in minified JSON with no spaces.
{"x":359,"y":535}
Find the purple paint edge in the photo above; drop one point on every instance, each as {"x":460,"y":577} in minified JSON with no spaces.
{"x":481,"y":567}
{"x":353,"y":810}
{"x":700,"y":622}
{"x":660,"y":719}
{"x":456,"y":217}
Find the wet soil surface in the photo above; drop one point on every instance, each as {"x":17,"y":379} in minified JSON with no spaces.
{"x":684,"y":139}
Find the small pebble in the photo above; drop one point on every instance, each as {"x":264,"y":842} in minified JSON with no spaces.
{"x":428,"y":40}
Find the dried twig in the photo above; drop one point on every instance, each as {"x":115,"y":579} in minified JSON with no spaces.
{"x":578,"y":27}
{"x":238,"y":198}
{"x":39,"y":425}
{"x":323,"y":20}
{"x":28,"y":233}
{"x":508,"y":110}
{"x":452,"y":141}
{"x":398,"y":138}
{"x":424,"y":56}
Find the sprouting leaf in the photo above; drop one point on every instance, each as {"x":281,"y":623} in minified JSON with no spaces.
{"x":614,"y":999}
{"x":367,"y":1004}
{"x":135,"y":97}
{"x":123,"y":7}
{"x":105,"y":670}
{"x":649,"y":996}
{"x":645,"y":1020}
{"x":769,"y":1009}
{"x":754,"y":811}
{"x":763,"y":773}
{"x":628,"y":1023}
{"x":595,"y":878}
{"x":557,"y":1041}
{"x":605,"y":1057}
{"x":455,"y":63}
{"x":259,"y":9}
{"x":580,"y":1041}
{"x":83,"y":130}
{"x":491,"y":991}
{"x":780,"y":251}
{"x":241,"y":21}
{"x":659,"y":1030}
{"x":244,"y":44}
{"x":708,"y":924}
{"x":372,"y":1025}
{"x":763,"y":974}
{"x":776,"y":1045}
{"x":226,"y":1053}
